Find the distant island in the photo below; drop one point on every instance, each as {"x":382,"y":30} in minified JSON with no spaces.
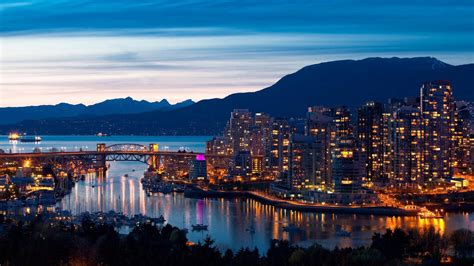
{"x":344,"y":82}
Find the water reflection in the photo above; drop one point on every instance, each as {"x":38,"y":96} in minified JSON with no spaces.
{"x":229,"y":219}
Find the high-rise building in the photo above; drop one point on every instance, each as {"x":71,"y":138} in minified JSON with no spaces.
{"x":198,"y":168}
{"x":342,"y":121}
{"x":238,"y":130}
{"x":387,"y":149}
{"x":218,"y":165}
{"x":218,"y":145}
{"x":241,"y":168}
{"x":370,"y":133}
{"x":260,"y":143}
{"x":320,"y":125}
{"x":280,"y":140}
{"x":461,"y":139}
{"x":260,"y":134}
{"x":405,"y":139}
{"x":306,"y":163}
{"x":348,"y":166}
{"x":437,"y":114}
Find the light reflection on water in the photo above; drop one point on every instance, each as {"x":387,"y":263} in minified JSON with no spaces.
{"x":228,"y":219}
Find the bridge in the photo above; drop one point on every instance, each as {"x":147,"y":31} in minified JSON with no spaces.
{"x":149,"y":155}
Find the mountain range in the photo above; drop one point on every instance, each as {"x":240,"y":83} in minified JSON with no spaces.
{"x":11,"y":115}
{"x":344,"y":82}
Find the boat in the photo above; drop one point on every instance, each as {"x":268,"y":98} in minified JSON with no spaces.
{"x":160,"y":220}
{"x":250,"y":230}
{"x":199,"y":227}
{"x":427,"y":214}
{"x":343,"y":233}
{"x":291,"y":228}
{"x":126,"y":175}
{"x":35,"y":139}
{"x":13,"y":136}
{"x":133,"y":170}
{"x":100,"y":134}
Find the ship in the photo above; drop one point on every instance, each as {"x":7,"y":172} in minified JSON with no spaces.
{"x":14,"y":136}
{"x":35,"y":139}
{"x":427,"y":214}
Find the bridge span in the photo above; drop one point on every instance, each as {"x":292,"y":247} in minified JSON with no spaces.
{"x":150,"y":155}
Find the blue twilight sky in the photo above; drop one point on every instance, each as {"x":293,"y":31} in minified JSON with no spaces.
{"x":85,"y":51}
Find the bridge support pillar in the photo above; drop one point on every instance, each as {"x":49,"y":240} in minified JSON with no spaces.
{"x":154,"y":162}
{"x":101,"y":165}
{"x":101,"y":162}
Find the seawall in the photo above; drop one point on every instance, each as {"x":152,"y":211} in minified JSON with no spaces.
{"x":384,"y":211}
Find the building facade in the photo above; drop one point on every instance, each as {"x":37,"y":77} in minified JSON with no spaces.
{"x":371,"y":138}
{"x":437,"y":116}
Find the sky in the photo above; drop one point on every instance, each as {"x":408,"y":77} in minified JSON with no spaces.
{"x":86,"y":51}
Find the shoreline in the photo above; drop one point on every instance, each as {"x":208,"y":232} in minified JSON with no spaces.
{"x":383,"y":211}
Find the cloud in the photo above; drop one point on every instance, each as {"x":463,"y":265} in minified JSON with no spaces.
{"x":86,"y":51}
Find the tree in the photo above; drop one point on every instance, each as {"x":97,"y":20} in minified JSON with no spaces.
{"x":463,"y":243}
{"x":297,"y":258}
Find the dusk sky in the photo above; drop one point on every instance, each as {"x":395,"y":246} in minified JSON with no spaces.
{"x":86,"y":51}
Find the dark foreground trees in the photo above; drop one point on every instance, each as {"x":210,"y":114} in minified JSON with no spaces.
{"x":41,"y":242}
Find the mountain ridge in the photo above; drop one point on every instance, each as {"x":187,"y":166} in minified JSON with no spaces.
{"x":342,"y":82}
{"x":126,"y":105}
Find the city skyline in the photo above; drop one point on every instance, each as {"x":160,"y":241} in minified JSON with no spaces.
{"x":236,"y":132}
{"x":82,"y":52}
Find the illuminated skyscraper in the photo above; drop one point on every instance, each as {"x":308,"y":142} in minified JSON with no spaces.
{"x":241,"y":168}
{"x":437,"y":114}
{"x":387,"y":149}
{"x":280,"y":140}
{"x":219,"y":146}
{"x":342,"y":121}
{"x":198,"y":170}
{"x":260,"y":143}
{"x":370,"y":133}
{"x":320,"y":125}
{"x":461,"y":139}
{"x":238,"y":130}
{"x":405,"y":138}
{"x":348,"y":166}
{"x":306,"y":163}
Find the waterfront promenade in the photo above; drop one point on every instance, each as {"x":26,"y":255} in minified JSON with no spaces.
{"x":300,"y":206}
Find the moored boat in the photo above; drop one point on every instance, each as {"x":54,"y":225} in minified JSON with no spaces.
{"x":199,"y":227}
{"x":159,"y":220}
